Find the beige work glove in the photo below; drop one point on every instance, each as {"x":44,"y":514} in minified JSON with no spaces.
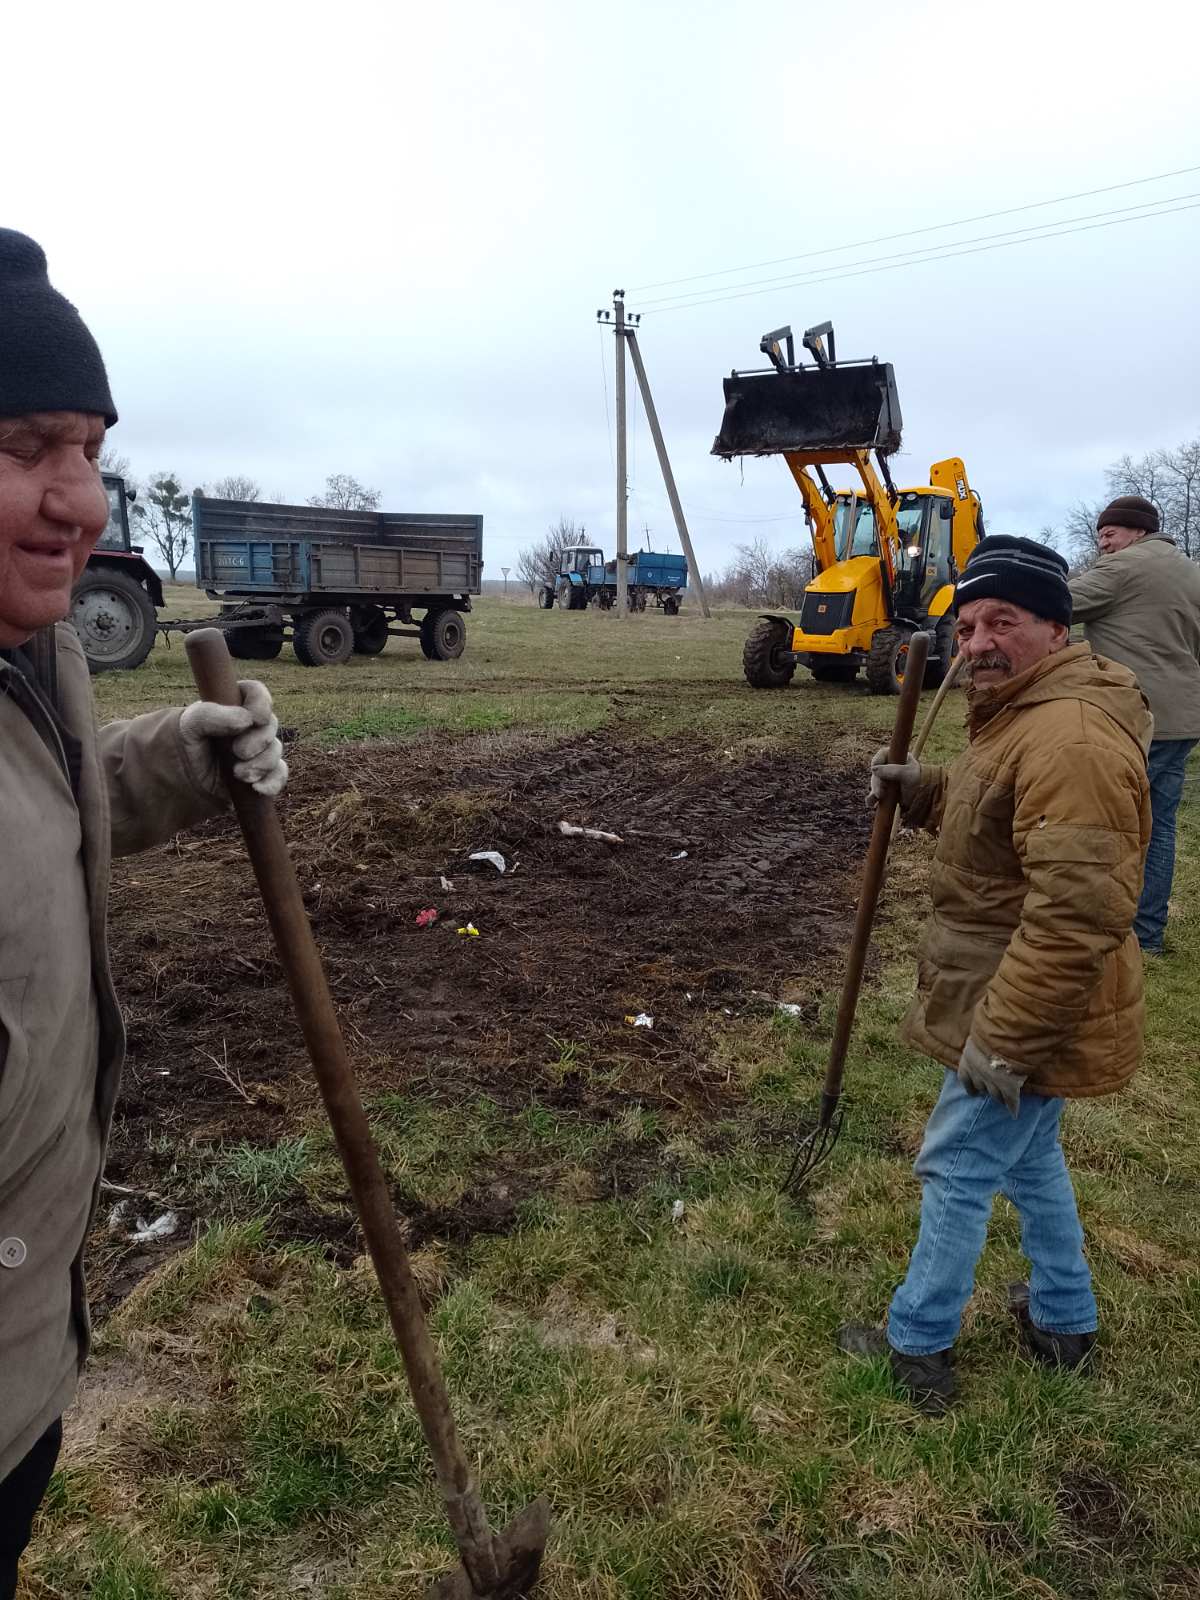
{"x":980,"y":1072}
{"x":253,"y":731}
{"x":905,"y":774}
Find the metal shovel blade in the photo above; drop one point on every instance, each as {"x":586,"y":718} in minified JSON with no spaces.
{"x":518,"y":1552}
{"x":850,"y":407}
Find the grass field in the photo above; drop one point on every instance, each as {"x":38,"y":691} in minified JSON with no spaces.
{"x":666,"y":1375}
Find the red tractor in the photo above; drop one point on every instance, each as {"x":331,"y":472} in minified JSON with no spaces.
{"x":113,"y":605}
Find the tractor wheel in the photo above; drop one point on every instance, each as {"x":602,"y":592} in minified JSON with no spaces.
{"x":443,"y":635}
{"x":761,"y":653}
{"x":370,"y":625}
{"x":254,"y":644}
{"x":834,"y":671}
{"x":322,"y":638}
{"x":545,"y":599}
{"x":945,"y":643}
{"x":885,"y":664}
{"x":114,"y":618}
{"x":566,"y":597}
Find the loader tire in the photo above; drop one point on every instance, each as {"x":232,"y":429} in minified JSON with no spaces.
{"x":370,"y":625}
{"x":322,"y":638}
{"x":835,"y":671}
{"x":946,"y":645}
{"x":761,"y":663}
{"x":885,"y":664}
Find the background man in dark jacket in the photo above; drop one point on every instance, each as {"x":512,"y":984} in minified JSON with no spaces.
{"x":1029,"y":981}
{"x":70,"y":796}
{"x":1140,"y":605}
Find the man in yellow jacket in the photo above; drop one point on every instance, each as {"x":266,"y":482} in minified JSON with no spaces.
{"x":1029,"y":980}
{"x":71,"y":796}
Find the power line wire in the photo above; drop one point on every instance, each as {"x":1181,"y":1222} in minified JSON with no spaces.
{"x":1035,"y":230}
{"x":911,"y":233}
{"x":607,"y":415}
{"x":946,"y":255}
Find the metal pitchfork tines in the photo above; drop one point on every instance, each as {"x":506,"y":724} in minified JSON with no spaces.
{"x":815,"y":1146}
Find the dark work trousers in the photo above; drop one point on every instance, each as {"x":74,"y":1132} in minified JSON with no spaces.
{"x":20,"y":1495}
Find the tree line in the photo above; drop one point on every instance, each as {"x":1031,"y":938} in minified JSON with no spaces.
{"x":161,"y":515}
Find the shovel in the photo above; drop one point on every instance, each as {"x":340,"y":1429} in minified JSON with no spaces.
{"x":500,"y":1566}
{"x":816,"y":1145}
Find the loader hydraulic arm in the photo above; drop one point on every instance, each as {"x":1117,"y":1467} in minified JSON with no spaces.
{"x":821,"y":512}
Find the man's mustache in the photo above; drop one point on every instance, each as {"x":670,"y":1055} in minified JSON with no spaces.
{"x":995,"y":660}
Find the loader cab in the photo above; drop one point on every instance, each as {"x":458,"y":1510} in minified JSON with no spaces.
{"x":925,"y":562}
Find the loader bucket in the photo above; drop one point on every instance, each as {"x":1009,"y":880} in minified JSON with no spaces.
{"x":848,"y":407}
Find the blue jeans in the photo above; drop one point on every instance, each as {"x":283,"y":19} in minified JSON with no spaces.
{"x":972,"y":1150}
{"x":1167,"y":759}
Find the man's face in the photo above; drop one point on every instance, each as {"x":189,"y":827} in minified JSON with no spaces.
{"x":53,"y":508}
{"x":998,"y":640}
{"x":1111,"y":538}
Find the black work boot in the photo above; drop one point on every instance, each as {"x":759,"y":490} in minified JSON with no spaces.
{"x":928,"y":1381}
{"x":1071,"y":1350}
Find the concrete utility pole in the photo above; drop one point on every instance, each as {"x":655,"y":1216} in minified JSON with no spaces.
{"x":622,"y":471}
{"x":668,"y":475}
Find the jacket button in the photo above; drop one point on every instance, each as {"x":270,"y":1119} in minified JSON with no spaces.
{"x":12,"y":1252}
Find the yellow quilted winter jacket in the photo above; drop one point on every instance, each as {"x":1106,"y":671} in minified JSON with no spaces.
{"x":1042,"y":828}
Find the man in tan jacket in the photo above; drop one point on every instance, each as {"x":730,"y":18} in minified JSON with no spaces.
{"x":1140,"y":605}
{"x":70,"y":796}
{"x":1029,"y":979}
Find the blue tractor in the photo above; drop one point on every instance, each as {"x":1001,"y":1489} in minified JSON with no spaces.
{"x":585,"y":578}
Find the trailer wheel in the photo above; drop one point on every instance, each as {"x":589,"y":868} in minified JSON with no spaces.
{"x":114,"y":618}
{"x":763,"y":662}
{"x":885,"y":664}
{"x":322,"y":638}
{"x":671,"y":606}
{"x":443,"y":635}
{"x":370,"y":627}
{"x":254,"y":644}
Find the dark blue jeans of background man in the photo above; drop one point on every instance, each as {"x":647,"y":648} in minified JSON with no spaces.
{"x":20,"y":1495}
{"x":1166,"y":763}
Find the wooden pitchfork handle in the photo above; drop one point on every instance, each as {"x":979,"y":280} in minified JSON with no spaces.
{"x":212,"y":668}
{"x":872,"y":881}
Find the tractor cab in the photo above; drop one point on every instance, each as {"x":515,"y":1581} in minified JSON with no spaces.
{"x":116,"y":532}
{"x":578,"y":558}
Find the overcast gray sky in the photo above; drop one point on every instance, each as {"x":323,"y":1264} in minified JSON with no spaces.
{"x":372,"y":238}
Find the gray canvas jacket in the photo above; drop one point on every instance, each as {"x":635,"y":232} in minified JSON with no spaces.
{"x":1141,"y":607}
{"x":61,"y":1038}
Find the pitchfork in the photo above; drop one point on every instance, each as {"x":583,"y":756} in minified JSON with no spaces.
{"x":815,"y":1146}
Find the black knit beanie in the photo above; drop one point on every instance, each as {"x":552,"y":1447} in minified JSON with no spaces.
{"x":1129,"y":511}
{"x":1021,"y":571}
{"x":48,"y":359}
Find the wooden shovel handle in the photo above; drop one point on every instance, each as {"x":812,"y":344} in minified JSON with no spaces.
{"x":213,"y":670}
{"x":873,"y":872}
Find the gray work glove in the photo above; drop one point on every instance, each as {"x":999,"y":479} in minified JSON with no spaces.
{"x":979,"y":1072}
{"x":253,"y":730}
{"x":905,"y":774}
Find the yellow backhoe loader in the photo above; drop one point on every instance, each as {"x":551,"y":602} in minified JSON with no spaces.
{"x":887,"y":558}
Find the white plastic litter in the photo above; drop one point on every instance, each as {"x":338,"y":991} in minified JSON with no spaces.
{"x":493,"y":856}
{"x":677,"y":1211}
{"x":788,"y":1009}
{"x":643,"y":1020}
{"x":161,"y":1228}
{"x":447,"y":886}
{"x":680,"y":855}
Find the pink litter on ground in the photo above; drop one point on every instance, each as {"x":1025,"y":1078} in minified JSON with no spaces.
{"x":427,"y":918}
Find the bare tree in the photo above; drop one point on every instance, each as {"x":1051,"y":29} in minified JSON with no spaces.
{"x":537,"y":564}
{"x":112,"y":461}
{"x":235,"y":487}
{"x":1180,"y":472}
{"x":344,"y":493}
{"x":164,"y":515}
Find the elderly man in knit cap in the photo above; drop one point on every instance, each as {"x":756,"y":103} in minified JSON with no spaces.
{"x":1029,"y":980}
{"x":70,"y":798}
{"x":1140,"y":605}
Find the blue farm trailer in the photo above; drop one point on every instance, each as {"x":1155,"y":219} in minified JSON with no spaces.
{"x":342,"y":582}
{"x":585,"y":578}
